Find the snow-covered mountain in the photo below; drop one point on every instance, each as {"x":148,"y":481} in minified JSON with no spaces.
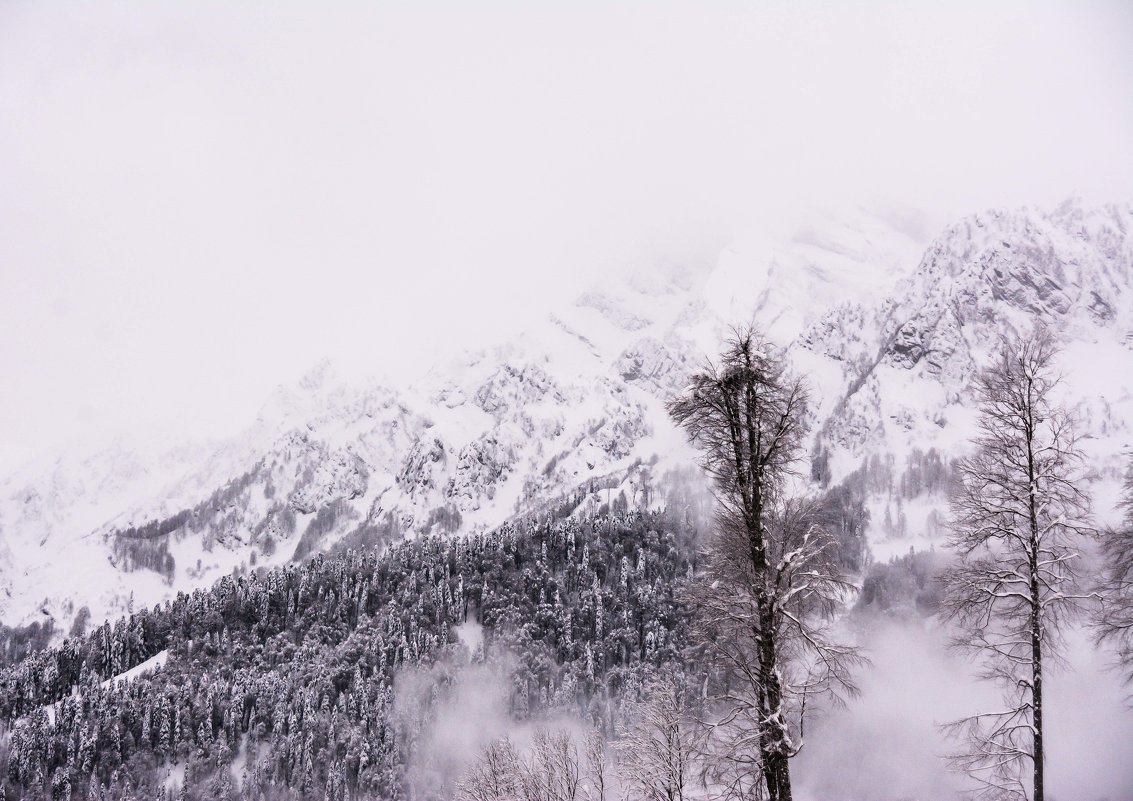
{"x":898,"y":370}
{"x":888,"y":324}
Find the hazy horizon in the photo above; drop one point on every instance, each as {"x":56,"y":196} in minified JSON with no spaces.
{"x":201,"y":204}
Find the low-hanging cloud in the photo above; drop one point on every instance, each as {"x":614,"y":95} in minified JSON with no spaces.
{"x":200,"y":202}
{"x":448,"y":713}
{"x":449,"y":728}
{"x":886,"y":745}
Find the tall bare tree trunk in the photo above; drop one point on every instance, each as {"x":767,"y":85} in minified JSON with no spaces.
{"x":1018,"y":512}
{"x":1036,"y":601}
{"x":769,"y":581}
{"x":1037,"y":694}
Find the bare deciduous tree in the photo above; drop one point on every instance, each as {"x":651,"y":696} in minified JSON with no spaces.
{"x":806,"y":589}
{"x":661,"y":743}
{"x":494,"y":776}
{"x":1019,"y":512}
{"x":549,"y":771}
{"x":769,"y":582}
{"x":595,"y":786}
{"x":1114,"y":621}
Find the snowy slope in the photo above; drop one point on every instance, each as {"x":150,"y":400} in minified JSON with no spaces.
{"x":888,"y":325}
{"x":906,"y":361}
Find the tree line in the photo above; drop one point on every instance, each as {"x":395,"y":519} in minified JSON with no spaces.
{"x":292,"y":671}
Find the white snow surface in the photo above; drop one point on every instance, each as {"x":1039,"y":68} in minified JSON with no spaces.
{"x":888,"y":325}
{"x":140,"y":669}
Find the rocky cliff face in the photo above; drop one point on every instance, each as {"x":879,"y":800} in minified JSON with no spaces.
{"x":890,"y":332}
{"x":908,"y":358}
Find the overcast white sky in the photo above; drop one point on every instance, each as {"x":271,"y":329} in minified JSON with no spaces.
{"x":198,"y":203}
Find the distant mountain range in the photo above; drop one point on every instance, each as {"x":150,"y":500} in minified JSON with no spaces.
{"x":889,"y":327}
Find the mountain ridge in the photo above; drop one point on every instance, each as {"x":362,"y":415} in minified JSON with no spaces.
{"x":575,"y":407}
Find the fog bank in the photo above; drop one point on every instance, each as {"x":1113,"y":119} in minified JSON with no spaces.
{"x":885,"y":746}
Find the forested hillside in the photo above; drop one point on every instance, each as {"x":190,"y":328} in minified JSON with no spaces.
{"x":290,"y":674}
{"x":280,"y":684}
